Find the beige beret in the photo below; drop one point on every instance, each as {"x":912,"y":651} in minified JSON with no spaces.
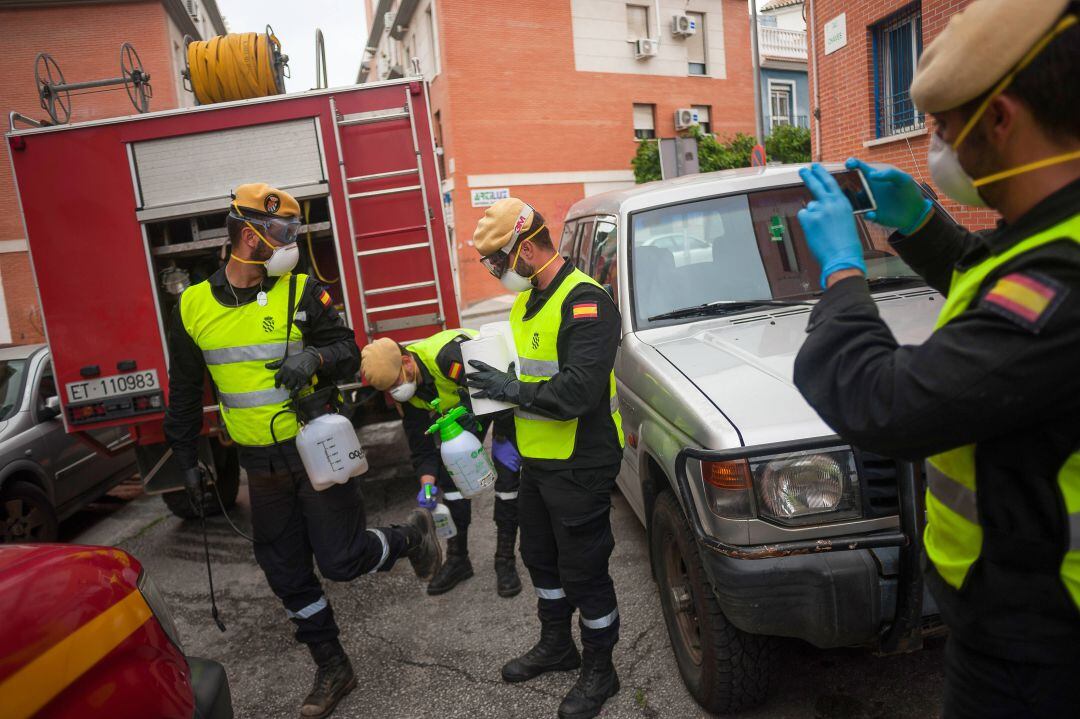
{"x":380,"y":363}
{"x":502,"y":223}
{"x":978,"y":48}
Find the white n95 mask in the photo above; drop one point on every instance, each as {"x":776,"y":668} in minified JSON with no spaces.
{"x":403,"y":392}
{"x":949,"y":174}
{"x":283,"y":260}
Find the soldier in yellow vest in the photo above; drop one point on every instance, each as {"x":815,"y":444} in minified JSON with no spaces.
{"x":992,"y":398}
{"x":566,"y":332}
{"x":415,"y":376}
{"x":236,"y":325}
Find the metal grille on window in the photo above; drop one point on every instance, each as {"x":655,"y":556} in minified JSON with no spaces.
{"x":896,"y":51}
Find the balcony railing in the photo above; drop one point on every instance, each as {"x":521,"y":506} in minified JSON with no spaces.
{"x":779,"y":44}
{"x":796,"y":120}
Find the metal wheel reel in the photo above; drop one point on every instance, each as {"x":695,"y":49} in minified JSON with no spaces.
{"x":50,"y":83}
{"x":279,"y":60}
{"x":54,"y":91}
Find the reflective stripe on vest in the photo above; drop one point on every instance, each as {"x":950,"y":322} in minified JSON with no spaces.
{"x":953,"y":535}
{"x":536,"y":339}
{"x":236,"y":343}
{"x":428,"y":351}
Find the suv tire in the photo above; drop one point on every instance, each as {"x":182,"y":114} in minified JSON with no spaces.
{"x":227,"y":473}
{"x":724,"y":668}
{"x":26,"y":514}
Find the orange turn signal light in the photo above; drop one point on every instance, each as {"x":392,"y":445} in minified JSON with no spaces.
{"x":727,"y":475}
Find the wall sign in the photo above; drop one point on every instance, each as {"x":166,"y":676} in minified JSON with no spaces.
{"x":487,"y":198}
{"x":836,"y":33}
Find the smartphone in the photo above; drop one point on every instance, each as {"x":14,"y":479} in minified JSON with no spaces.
{"x":857,"y":190}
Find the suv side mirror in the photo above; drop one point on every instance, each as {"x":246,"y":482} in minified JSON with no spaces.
{"x":51,"y":410}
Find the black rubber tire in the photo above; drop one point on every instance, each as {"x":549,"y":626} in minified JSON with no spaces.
{"x":227,"y":474}
{"x":734,"y":666}
{"x":30,"y":499}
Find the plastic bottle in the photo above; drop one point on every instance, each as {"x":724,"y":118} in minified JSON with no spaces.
{"x":444,"y":522}
{"x":463,"y":456}
{"x":330,"y":451}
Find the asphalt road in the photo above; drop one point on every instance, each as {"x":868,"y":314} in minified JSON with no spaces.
{"x":420,"y":656}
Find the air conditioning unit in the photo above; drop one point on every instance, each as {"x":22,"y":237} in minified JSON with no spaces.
{"x":685,"y":118}
{"x":683,"y":25}
{"x":644,"y":47}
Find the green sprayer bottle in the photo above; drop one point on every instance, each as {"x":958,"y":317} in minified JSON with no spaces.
{"x":463,"y":455}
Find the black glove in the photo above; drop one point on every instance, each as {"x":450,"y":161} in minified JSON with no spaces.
{"x":296,"y":371}
{"x":193,"y":483}
{"x":496,"y":385}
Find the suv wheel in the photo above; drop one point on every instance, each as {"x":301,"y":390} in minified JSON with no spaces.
{"x":724,"y":668}
{"x":26,"y":515}
{"x":226,"y":471}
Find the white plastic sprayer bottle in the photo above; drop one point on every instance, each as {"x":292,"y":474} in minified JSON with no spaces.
{"x":463,"y":456}
{"x":444,"y":522}
{"x":330,"y":451}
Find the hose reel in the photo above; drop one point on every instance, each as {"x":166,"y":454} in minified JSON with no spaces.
{"x":54,"y":92}
{"x":237,"y":66}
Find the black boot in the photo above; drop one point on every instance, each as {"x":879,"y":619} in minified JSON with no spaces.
{"x":507,"y":581}
{"x":597,"y":682}
{"x":457,"y":567}
{"x":422,"y":545}
{"x":333,"y":680}
{"x":555,"y":652}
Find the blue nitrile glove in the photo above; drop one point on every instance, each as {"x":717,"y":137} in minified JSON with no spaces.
{"x":428,"y":499}
{"x":829,"y":224}
{"x":506,"y":454}
{"x":900,"y":201}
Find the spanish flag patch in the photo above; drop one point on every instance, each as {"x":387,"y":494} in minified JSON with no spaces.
{"x":325,"y":298}
{"x":455,"y":371}
{"x":585,"y":311}
{"x":1025,"y":298}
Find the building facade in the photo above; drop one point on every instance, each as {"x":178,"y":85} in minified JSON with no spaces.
{"x":546,"y":100}
{"x":785,"y":96}
{"x":84,"y":38}
{"x":863,"y":60}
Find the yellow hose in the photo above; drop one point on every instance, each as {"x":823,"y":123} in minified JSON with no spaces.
{"x":237,"y":66}
{"x":311,"y":250}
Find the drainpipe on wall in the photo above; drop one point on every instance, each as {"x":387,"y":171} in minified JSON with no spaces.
{"x":759,"y":125}
{"x":816,"y":111}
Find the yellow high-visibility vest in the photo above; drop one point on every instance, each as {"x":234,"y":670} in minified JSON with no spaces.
{"x":953,"y":535}
{"x":536,"y":342}
{"x":428,"y":351}
{"x":236,"y":343}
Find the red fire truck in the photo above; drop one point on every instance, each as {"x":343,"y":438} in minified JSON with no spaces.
{"x":123,"y":214}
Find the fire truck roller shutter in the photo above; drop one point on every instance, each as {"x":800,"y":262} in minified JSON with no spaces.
{"x":196,"y":173}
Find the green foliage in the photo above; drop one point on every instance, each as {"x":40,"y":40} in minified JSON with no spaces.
{"x":788,"y":143}
{"x":713,"y":155}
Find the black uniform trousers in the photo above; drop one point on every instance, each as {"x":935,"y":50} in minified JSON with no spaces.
{"x":297,"y":528}
{"x":566,"y":542}
{"x":506,"y":494}
{"x":979,"y":686}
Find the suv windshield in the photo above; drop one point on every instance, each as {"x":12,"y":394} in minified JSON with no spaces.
{"x":733,"y":250}
{"x":12,"y":373}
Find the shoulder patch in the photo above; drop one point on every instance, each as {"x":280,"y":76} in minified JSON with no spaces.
{"x":454,"y":372}
{"x":324,"y":298}
{"x":1026,"y":298}
{"x":585,"y":311}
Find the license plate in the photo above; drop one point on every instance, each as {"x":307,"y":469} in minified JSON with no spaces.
{"x":113,"y":386}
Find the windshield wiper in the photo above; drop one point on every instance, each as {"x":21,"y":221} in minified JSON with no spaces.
{"x":892,"y":280}
{"x":724,"y":306}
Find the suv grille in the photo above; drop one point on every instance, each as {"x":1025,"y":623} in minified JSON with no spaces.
{"x":877,"y":475}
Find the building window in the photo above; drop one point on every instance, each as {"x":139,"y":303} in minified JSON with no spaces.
{"x":897,"y":44}
{"x":695,"y":46}
{"x":781,"y":103}
{"x":644,"y":122}
{"x":637,"y":21}
{"x":703,"y":118}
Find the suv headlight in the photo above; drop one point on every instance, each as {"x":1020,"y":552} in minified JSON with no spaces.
{"x":791,"y":488}
{"x":797,"y":488}
{"x":160,"y":608}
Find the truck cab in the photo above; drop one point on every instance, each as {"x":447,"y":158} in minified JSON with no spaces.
{"x":762,"y":522}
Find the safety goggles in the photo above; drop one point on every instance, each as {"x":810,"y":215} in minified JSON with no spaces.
{"x":498,"y":263}
{"x":282,"y":230}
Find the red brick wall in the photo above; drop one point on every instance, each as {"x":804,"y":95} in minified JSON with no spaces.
{"x":847,"y":92}
{"x":512,"y":102}
{"x":85,"y":42}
